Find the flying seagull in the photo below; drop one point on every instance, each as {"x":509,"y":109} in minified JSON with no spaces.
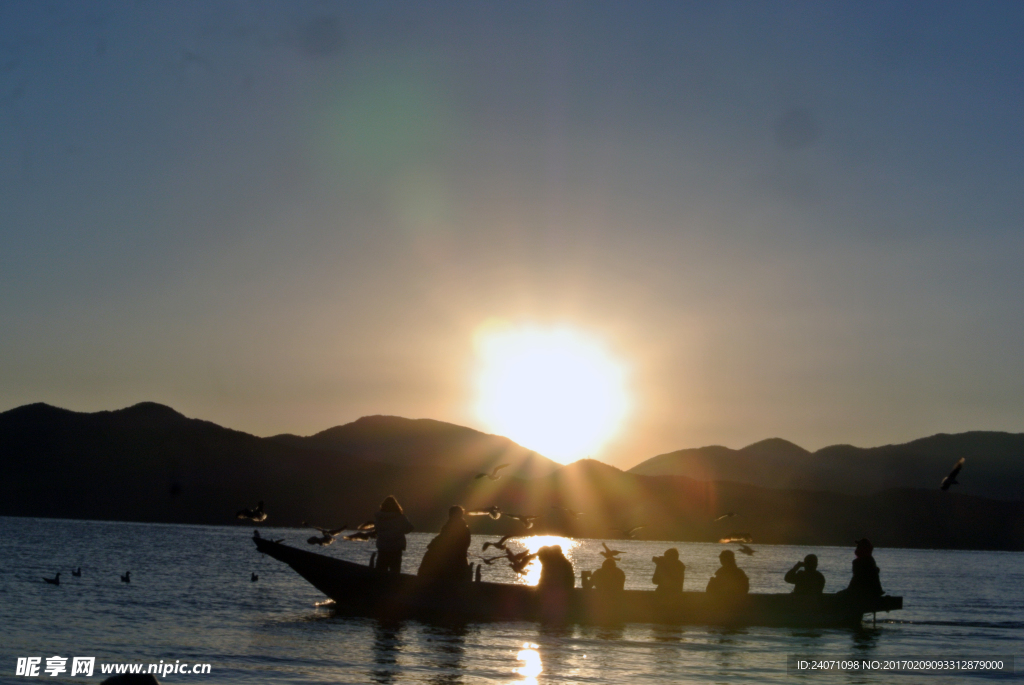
{"x":326,"y":536}
{"x":500,"y":544}
{"x":748,"y":551}
{"x":951,"y":478}
{"x":493,"y":512}
{"x":609,"y":553}
{"x":364,"y":531}
{"x":525,"y":520}
{"x":257,"y":514}
{"x":631,"y":533}
{"x":493,"y":475}
{"x":573,"y":514}
{"x":724,"y":516}
{"x":737,"y":537}
{"x":519,"y":561}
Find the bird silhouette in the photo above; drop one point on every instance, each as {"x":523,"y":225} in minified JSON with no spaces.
{"x":364,"y":531}
{"x":631,"y":533}
{"x":257,"y":514}
{"x":951,"y":478}
{"x":493,"y":512}
{"x":519,"y":561}
{"x":525,"y":520}
{"x":127,"y":577}
{"x":609,"y":553}
{"x":78,"y":573}
{"x":748,"y":551}
{"x":724,"y":516}
{"x":500,"y":544}
{"x":326,"y":536}
{"x":572,"y":514}
{"x":253,"y":578}
{"x":493,"y":475}
{"x":53,"y":581}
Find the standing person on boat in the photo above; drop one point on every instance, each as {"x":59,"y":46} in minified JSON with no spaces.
{"x":445,"y":558}
{"x":669,"y":572}
{"x":391,"y":525}
{"x":729,"y":579}
{"x":608,"y":578}
{"x":805,"y":577}
{"x":865,"y":581}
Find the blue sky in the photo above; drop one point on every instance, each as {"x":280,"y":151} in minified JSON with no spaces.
{"x":802,"y":220}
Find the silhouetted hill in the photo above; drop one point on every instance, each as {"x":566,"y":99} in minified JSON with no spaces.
{"x":994,"y":467}
{"x":396,"y":440}
{"x":150,"y":463}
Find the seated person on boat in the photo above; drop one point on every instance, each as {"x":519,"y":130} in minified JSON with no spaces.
{"x":669,"y":572}
{"x":556,"y":572}
{"x":805,"y":577}
{"x":608,"y":578}
{"x":865,"y":581}
{"x":729,"y":579}
{"x":445,"y":558}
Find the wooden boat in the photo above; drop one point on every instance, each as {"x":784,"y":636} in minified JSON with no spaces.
{"x":364,"y":591}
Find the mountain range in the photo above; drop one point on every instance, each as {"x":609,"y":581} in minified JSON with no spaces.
{"x":150,"y":463}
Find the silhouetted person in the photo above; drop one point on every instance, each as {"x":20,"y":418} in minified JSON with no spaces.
{"x":445,"y":558}
{"x":805,"y":577}
{"x":608,"y":578}
{"x":729,"y":579}
{"x":865,"y":581}
{"x":668,"y":572}
{"x":391,"y":525}
{"x":556,"y":572}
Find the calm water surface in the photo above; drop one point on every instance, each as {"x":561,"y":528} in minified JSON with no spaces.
{"x":191,"y":599}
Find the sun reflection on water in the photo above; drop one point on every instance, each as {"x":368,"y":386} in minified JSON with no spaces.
{"x":534,"y":543}
{"x":531,"y":667}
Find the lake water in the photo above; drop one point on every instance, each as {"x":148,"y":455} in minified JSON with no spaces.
{"x":191,"y":600}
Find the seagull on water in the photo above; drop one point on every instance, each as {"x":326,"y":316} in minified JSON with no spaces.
{"x":78,"y":573}
{"x":53,"y":581}
{"x":127,"y":577}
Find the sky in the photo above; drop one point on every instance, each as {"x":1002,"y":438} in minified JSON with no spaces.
{"x":796,"y":220}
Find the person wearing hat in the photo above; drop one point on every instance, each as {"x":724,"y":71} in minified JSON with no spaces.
{"x":805,"y":577}
{"x":865,"y":580}
{"x":669,"y":572}
{"x":729,"y":579}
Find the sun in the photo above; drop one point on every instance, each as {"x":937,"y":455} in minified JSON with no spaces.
{"x":556,"y":391}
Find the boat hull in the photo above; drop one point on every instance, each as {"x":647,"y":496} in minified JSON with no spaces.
{"x":361,"y":590}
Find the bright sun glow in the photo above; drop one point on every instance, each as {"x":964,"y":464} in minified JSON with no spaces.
{"x":556,"y":391}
